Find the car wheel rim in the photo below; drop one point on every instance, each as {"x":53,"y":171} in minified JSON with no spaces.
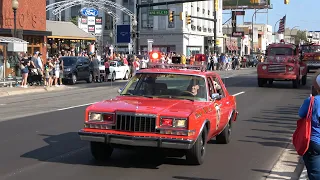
{"x":202,"y":147}
{"x":74,"y":79}
{"x":229,"y":129}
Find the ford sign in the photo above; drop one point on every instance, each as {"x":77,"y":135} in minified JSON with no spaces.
{"x":89,"y":12}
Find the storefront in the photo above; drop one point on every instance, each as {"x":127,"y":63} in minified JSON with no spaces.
{"x":68,"y":37}
{"x":31,"y":23}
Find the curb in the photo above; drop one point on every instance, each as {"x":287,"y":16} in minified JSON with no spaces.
{"x":304,"y":175}
{"x":31,"y":90}
{"x":289,"y":165}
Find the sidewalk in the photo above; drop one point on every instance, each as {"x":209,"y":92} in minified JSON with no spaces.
{"x":7,"y":91}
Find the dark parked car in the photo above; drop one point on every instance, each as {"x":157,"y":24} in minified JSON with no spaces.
{"x":77,"y":69}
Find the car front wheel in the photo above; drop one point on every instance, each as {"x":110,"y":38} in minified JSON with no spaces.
{"x":196,"y":154}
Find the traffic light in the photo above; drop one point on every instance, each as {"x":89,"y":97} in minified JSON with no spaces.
{"x":188,"y":19}
{"x":254,"y":1}
{"x":180,"y":16}
{"x":286,"y":1}
{"x":216,"y":3}
{"x":171,"y":17}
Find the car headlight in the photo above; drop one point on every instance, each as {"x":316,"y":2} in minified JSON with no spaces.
{"x":174,"y":122}
{"x":264,"y":67}
{"x":95,"y":117}
{"x":290,"y":68}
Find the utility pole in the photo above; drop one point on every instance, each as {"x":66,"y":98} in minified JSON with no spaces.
{"x":215,"y":8}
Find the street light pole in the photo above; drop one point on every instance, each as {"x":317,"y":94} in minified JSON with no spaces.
{"x":255,"y":12}
{"x":291,"y":32}
{"x":274,"y":30}
{"x":15,"y":6}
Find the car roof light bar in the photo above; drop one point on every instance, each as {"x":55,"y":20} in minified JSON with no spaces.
{"x":201,"y":68}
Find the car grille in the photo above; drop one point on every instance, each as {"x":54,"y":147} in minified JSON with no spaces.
{"x":277,"y":68}
{"x":136,"y":122}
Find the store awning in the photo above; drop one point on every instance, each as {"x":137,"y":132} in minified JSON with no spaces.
{"x":67,"y":30}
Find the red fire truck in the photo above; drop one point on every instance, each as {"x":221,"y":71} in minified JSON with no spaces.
{"x":282,"y":63}
{"x":310,"y":54}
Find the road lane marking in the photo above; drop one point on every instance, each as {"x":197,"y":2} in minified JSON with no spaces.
{"x":237,"y":94}
{"x":72,"y":107}
{"x":2,"y":104}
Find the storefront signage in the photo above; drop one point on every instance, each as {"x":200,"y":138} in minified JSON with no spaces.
{"x":237,"y":34}
{"x":89,"y":12}
{"x":98,"y":20}
{"x":91,"y":28}
{"x":25,"y":20}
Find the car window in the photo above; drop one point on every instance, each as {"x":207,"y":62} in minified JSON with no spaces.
{"x":120,"y":63}
{"x":113,"y":63}
{"x":218,"y":86}
{"x":167,"y":86}
{"x":211,"y":89}
{"x":69,"y":61}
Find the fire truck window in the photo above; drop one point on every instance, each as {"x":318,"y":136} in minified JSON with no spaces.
{"x":280,"y":51}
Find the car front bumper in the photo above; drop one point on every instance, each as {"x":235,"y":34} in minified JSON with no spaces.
{"x":136,"y":141}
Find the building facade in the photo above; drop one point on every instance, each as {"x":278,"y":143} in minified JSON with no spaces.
{"x":176,"y":36}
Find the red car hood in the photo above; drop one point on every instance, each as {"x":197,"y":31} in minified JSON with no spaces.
{"x":158,"y":106}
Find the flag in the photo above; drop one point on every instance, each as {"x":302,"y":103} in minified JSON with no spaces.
{"x":282,"y":24}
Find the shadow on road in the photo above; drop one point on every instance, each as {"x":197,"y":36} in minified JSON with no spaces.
{"x":69,"y":149}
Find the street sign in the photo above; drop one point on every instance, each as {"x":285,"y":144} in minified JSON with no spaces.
{"x":159,"y":12}
{"x":89,"y":11}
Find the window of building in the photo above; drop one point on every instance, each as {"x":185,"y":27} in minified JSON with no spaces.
{"x":108,"y":22}
{"x":129,"y":4}
{"x":146,"y":20}
{"x":75,"y":11}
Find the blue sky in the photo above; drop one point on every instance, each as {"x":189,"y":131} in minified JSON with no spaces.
{"x":302,"y":13}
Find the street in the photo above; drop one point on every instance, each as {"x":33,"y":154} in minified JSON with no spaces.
{"x":40,"y":140}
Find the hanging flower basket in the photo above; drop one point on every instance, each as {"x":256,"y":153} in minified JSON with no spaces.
{"x":54,"y":46}
{"x":72,"y":45}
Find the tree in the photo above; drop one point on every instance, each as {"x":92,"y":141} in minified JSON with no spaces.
{"x":301,"y":36}
{"x":74,"y":20}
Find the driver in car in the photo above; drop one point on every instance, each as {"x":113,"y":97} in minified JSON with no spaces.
{"x":193,"y":87}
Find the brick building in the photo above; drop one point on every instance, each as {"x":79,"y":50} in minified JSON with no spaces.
{"x":31,"y":23}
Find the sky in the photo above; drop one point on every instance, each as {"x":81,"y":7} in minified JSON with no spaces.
{"x":302,"y":13}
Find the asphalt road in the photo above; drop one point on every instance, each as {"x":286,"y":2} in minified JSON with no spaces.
{"x":46,"y":146}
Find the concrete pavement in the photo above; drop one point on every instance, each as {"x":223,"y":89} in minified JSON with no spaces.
{"x":47,"y":145}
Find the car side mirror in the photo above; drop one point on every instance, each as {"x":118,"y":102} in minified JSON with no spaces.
{"x":215,"y":96}
{"x":119,"y":91}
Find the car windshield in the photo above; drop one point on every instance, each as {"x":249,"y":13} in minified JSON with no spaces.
{"x":310,"y":49}
{"x":69,"y":61}
{"x":160,"y":85}
{"x":280,"y":51}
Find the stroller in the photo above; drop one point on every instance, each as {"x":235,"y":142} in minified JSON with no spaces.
{"x":34,"y":77}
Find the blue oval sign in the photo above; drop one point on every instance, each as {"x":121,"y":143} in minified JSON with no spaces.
{"x":89,"y":12}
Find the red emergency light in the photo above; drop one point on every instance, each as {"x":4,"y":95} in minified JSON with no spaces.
{"x":155,"y":55}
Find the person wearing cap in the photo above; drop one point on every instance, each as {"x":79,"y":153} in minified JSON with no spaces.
{"x":312,"y":157}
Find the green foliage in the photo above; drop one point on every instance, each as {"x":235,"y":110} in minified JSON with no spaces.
{"x":74,"y":20}
{"x":301,"y":36}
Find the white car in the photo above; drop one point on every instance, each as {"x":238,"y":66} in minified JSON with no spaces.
{"x":118,"y":70}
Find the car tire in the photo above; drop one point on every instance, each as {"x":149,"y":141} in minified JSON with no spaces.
{"x":304,"y":80}
{"x":296,"y":82}
{"x":74,"y":79}
{"x":90,"y":78}
{"x":225,"y":136}
{"x":100,"y":151}
{"x":261,"y":82}
{"x":126,"y":76}
{"x":196,"y":155}
{"x":113,"y":76}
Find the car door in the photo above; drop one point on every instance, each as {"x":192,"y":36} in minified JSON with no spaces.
{"x":221,"y":105}
{"x":80,"y":68}
{"x":86,"y":67}
{"x":121,"y":69}
{"x":212,"y":115}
